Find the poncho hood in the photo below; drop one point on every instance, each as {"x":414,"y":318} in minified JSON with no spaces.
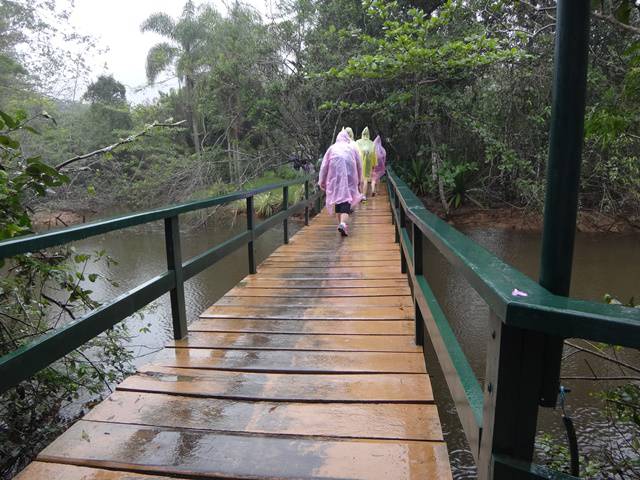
{"x":343,"y":136}
{"x":350,"y":132}
{"x":365,"y":133}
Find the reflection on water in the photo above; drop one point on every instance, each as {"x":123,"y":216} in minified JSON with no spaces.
{"x":603,"y":263}
{"x":140,"y":254}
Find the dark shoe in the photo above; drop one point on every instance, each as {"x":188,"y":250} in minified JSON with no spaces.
{"x":343,"y":229}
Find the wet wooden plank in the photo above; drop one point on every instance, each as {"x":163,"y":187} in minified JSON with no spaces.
{"x":282,"y":387}
{"x":278,"y":361}
{"x":214,"y":455}
{"x":331,"y":255}
{"x":318,"y":292}
{"x":258,"y":282}
{"x":366,"y":301}
{"x":327,"y":274}
{"x":60,"y":471}
{"x":308,"y":327}
{"x":277,"y":262}
{"x":289,"y":341}
{"x":311,"y":313}
{"x":347,"y":420}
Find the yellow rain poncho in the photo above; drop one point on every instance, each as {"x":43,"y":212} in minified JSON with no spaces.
{"x":367,"y":154}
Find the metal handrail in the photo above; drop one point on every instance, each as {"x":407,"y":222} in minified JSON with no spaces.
{"x":32,"y":357}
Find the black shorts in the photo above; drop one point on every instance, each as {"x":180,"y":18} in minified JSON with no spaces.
{"x":344,"y":207}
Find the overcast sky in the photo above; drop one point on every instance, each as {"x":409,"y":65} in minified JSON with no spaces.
{"x":116,"y":25}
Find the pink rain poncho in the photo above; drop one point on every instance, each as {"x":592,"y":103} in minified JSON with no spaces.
{"x":381,"y":155}
{"x":341,"y":172}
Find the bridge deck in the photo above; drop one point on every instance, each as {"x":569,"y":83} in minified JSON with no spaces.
{"x":307,"y":369}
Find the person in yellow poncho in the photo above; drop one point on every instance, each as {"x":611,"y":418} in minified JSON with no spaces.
{"x":368,"y":157}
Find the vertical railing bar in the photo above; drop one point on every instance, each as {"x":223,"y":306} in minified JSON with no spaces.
{"x":418,"y":270}
{"x":402,"y":226}
{"x":396,"y":206}
{"x":174,"y":262}
{"x":306,"y":199}
{"x":285,"y":207}
{"x":250,"y":246}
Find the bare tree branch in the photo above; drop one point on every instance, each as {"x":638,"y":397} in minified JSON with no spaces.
{"x":614,"y":21}
{"x":110,"y":148}
{"x":603,"y":356}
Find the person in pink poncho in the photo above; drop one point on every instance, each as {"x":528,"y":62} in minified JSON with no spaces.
{"x":378,"y":171}
{"x":340,"y":176}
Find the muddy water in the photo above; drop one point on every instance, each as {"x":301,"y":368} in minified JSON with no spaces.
{"x":604,"y":263}
{"x":140,"y":255}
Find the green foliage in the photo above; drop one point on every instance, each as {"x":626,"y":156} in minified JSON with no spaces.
{"x":418,"y":176}
{"x":20,"y":177}
{"x":556,"y":456}
{"x":106,"y":90}
{"x":39,"y":292}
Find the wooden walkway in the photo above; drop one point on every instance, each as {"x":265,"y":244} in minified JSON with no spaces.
{"x":307,"y":369}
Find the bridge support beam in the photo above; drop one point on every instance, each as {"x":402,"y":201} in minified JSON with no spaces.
{"x":285,"y":205}
{"x":563,"y":170}
{"x":174,"y":263}
{"x":251,"y":252}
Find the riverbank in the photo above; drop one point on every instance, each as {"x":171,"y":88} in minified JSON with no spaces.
{"x":57,"y":214}
{"x":465,"y":217}
{"x":513,"y":218}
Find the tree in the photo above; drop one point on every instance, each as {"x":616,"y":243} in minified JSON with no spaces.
{"x":109,"y":111}
{"x":107,"y":90}
{"x":182,"y":52}
{"x":240,"y":62}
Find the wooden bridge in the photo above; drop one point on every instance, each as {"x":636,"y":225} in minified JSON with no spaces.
{"x":307,"y":369}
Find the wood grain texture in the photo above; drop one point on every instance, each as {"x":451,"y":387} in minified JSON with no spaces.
{"x":321,"y":388}
{"x":277,"y":361}
{"x":347,"y":420}
{"x":308,"y":327}
{"x":204,"y":454}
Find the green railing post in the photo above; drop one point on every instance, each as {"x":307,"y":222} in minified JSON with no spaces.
{"x":174,"y":263}
{"x":250,"y":248}
{"x":418,"y":272}
{"x":563,"y":170}
{"x":401,"y":226}
{"x":306,"y":199}
{"x":285,"y":206}
{"x":395,"y":206}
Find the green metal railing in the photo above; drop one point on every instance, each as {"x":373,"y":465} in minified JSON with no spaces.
{"x":482,"y":409}
{"x":42,"y":352}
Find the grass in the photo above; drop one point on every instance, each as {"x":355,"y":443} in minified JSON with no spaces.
{"x":265,"y":204}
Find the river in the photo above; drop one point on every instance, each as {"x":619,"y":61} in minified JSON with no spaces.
{"x":604,"y":263}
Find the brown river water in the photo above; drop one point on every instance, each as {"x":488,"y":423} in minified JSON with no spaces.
{"x":604,"y":263}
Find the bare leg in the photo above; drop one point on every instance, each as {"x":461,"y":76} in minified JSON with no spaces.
{"x":338,"y":215}
{"x":365,"y":188}
{"x":373,"y":187}
{"x":344,"y":218}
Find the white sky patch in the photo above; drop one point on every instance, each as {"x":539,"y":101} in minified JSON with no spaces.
{"x":116,"y":25}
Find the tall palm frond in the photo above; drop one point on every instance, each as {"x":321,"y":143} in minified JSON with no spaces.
{"x":160,"y":23}
{"x":160,"y":57}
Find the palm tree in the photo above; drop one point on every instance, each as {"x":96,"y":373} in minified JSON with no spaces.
{"x":181,"y":52}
